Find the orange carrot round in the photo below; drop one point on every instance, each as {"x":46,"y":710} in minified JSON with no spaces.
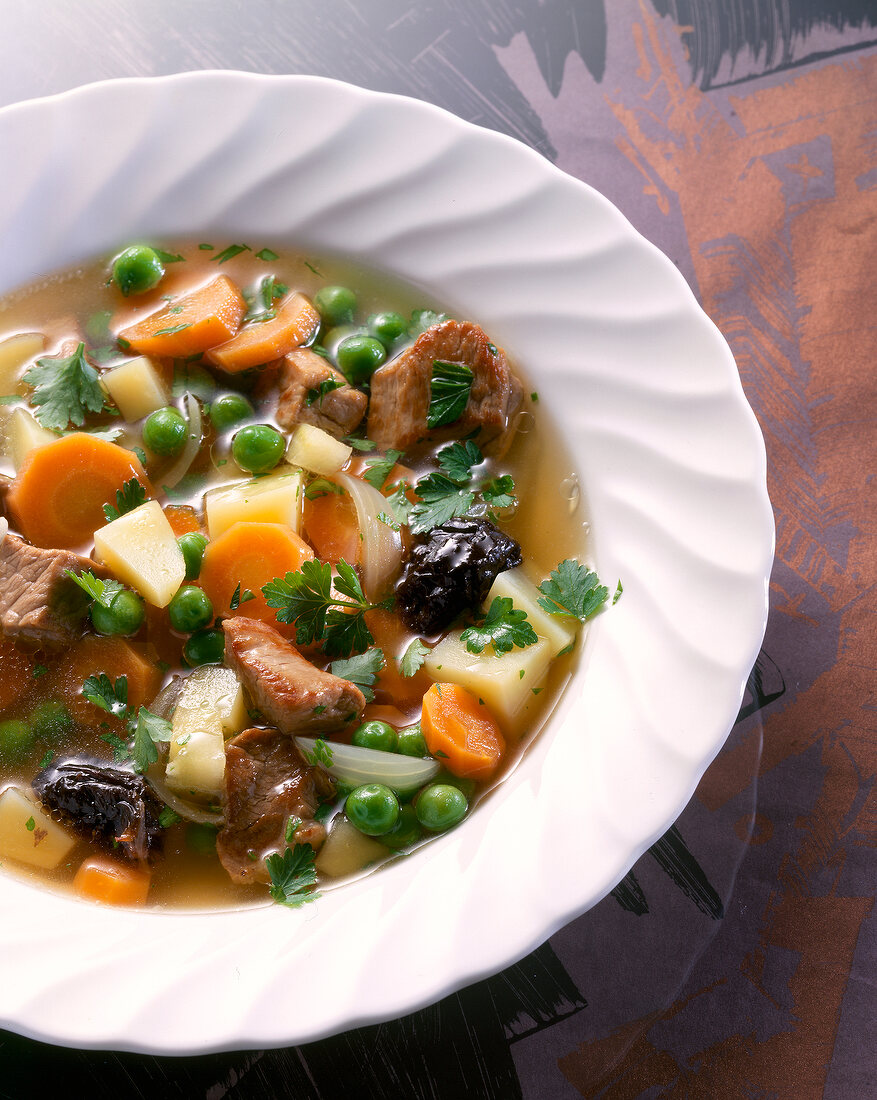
{"x":332,"y":527}
{"x":57,"y":497}
{"x":207,"y":316}
{"x":461,"y":731}
{"x":183,"y":518}
{"x":104,"y":880}
{"x":250,"y":554}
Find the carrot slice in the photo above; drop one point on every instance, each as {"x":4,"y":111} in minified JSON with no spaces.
{"x":260,"y":342}
{"x":460,"y":729}
{"x":391,"y":687}
{"x":332,"y":528}
{"x":208,"y":316}
{"x":57,"y":498}
{"x":92,"y":655}
{"x":183,"y":519}
{"x":105,"y":880}
{"x":250,"y":554}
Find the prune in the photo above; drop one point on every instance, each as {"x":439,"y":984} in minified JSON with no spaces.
{"x":107,"y":804}
{"x":451,"y":569}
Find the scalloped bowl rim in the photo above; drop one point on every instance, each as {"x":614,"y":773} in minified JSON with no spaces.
{"x":617,"y":762}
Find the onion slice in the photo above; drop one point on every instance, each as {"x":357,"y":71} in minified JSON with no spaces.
{"x":381,"y":544}
{"x":193,"y":444}
{"x":355,"y":766}
{"x":187,"y":810}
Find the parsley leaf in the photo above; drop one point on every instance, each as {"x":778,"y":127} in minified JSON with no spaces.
{"x":320,"y":754}
{"x":230,"y":252}
{"x":361,"y":670}
{"x":293,"y":875}
{"x":315,"y":396}
{"x":148,"y":731}
{"x":121,"y":752}
{"x":100,"y":591}
{"x":449,"y":493}
{"x":573,"y":590}
{"x":64,"y":390}
{"x":458,"y":460}
{"x":130,"y":496}
{"x":413,"y":657}
{"x":448,"y":392}
{"x":260,"y":302}
{"x":499,"y":493}
{"x":389,"y":520}
{"x":109,"y":696}
{"x":440,"y":500}
{"x":399,"y":503}
{"x":377,"y":470}
{"x":267,"y":254}
{"x":504,"y":627}
{"x":239,"y":597}
{"x":168,"y":817}
{"x":292,"y":823}
{"x":168,"y":257}
{"x":359,"y":444}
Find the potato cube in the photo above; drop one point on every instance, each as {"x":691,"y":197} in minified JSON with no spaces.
{"x":347,"y":850}
{"x":141,"y":550}
{"x":276,"y":498}
{"x":315,"y":450}
{"x":28,"y":834}
{"x":505,"y":682}
{"x":136,"y":387}
{"x":24,"y":435}
{"x":518,"y":587}
{"x":16,"y":352}
{"x":211,"y":706}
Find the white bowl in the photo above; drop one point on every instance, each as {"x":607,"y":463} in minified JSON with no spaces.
{"x":671,"y":458}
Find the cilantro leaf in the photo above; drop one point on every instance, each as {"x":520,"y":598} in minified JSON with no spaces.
{"x":100,"y":591}
{"x":293,"y":875}
{"x":315,"y":396}
{"x":440,"y":500}
{"x":359,"y":444}
{"x":573,"y":590}
{"x":65,"y":389}
{"x":504,"y":627}
{"x":362,"y":670}
{"x":130,"y":496}
{"x":458,"y":460}
{"x":399,"y":503}
{"x":499,"y":493}
{"x":413,"y":657}
{"x":148,"y":732}
{"x":377,"y":470}
{"x":109,"y":696}
{"x":448,"y":392}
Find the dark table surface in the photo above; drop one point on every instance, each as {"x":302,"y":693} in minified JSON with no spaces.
{"x":737,"y":957}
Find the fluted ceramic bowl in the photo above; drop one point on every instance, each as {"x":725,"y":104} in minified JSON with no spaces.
{"x":647,"y":394}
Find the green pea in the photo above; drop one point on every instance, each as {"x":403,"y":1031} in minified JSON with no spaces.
{"x":373,"y":809}
{"x":405,"y":832}
{"x":193,"y":545}
{"x":206,"y":647}
{"x":190,"y":609}
{"x":229,"y":409}
{"x":440,"y":807}
{"x":137,"y":269}
{"x":16,"y":740}
{"x":358,"y":357}
{"x":375,"y":735}
{"x":258,"y":448}
{"x":410,"y":742}
{"x":51,"y":721}
{"x":462,"y":783}
{"x":164,"y":432}
{"x":388,"y":327}
{"x":123,"y":617}
{"x":201,"y":838}
{"x":336,"y":305}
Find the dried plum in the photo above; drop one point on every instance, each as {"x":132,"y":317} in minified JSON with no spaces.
{"x":451,"y":569}
{"x":105,"y":803}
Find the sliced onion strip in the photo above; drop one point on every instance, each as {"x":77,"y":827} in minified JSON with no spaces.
{"x":193,"y":444}
{"x":355,"y":766}
{"x":381,"y":544}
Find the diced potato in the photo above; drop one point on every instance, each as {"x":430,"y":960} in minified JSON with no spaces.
{"x":141,"y":550}
{"x":315,"y":450}
{"x":16,"y":352}
{"x":516,"y":585}
{"x":136,"y":387}
{"x":276,"y":498}
{"x":28,"y":834}
{"x":210,"y":708}
{"x":347,"y":850}
{"x":24,"y":435}
{"x":505,"y":682}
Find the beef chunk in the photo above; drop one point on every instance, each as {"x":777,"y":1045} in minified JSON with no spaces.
{"x":451,"y":569}
{"x":103,"y":802}
{"x":267,"y":781}
{"x":400,"y":390}
{"x":38,"y":601}
{"x":292,"y":693}
{"x":337,"y":412}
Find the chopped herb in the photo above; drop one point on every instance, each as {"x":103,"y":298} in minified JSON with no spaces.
{"x":492,"y":349}
{"x":260,"y":302}
{"x":321,"y":487}
{"x":361,"y":670}
{"x":141,"y":454}
{"x":378,"y":469}
{"x":148,"y":731}
{"x":439,"y":752}
{"x":268,"y":255}
{"x":320,"y":754}
{"x":520,"y":674}
{"x":534,"y":397}
{"x":504,"y":627}
{"x":168,"y":257}
{"x":448,"y":392}
{"x":174,"y":328}
{"x":47,"y":759}
{"x":293,"y":875}
{"x":239,"y":597}
{"x":359,"y":444}
{"x":566,"y":649}
{"x":573,"y":591}
{"x":499,"y":493}
{"x":65,"y":389}
{"x":318,"y":349}
{"x":449,"y":493}
{"x":130,"y":496}
{"x":306,"y":599}
{"x":318,"y":709}
{"x":99,"y":591}
{"x":204,"y":247}
{"x":311,"y":267}
{"x":458,"y":460}
{"x":440,"y":500}
{"x":389,"y":521}
{"x":30,"y":824}
{"x":168,"y":817}
{"x":292,"y":823}
{"x":315,"y":396}
{"x":535,"y":690}
{"x":10,"y":399}
{"x":39,"y":670}
{"x":399,"y":502}
{"x":121,"y":752}
{"x":617,"y":595}
{"x":413,"y":657}
{"x":123,"y":343}
{"x":230,"y":252}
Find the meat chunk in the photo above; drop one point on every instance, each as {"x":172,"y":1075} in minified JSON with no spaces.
{"x":400,"y":390}
{"x":267,"y":782}
{"x":38,"y":601}
{"x":337,"y":411}
{"x":291,"y":693}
